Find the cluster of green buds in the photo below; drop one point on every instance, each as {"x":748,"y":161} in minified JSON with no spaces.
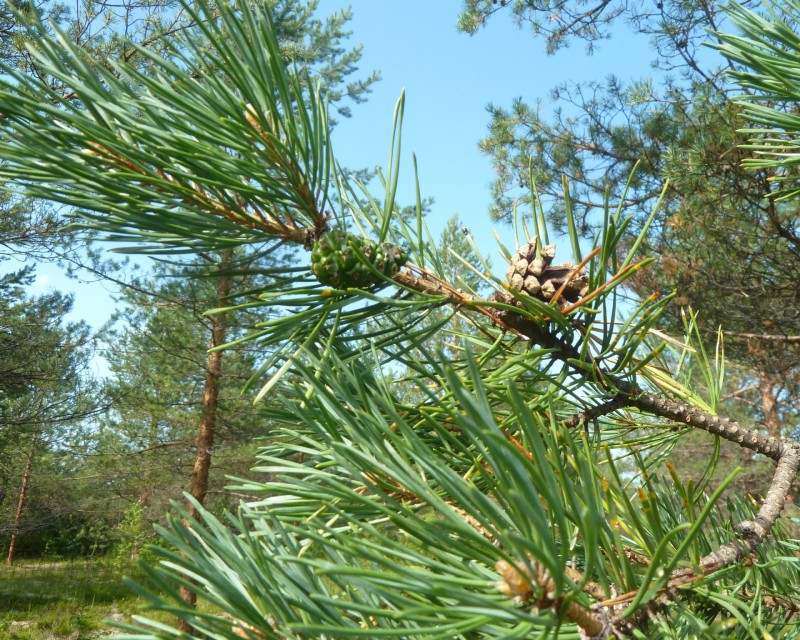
{"x":340,"y":259}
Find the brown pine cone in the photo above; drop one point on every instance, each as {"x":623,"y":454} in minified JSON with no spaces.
{"x":539,"y":278}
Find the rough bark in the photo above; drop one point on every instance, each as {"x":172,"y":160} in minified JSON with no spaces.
{"x":768,"y":389}
{"x":23,"y":495}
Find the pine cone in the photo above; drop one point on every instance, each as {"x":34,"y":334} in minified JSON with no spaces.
{"x":539,"y":278}
{"x":335,"y":260}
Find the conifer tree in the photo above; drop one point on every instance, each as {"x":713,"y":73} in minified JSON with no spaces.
{"x":521,"y":491}
{"x":724,"y":244}
{"x":47,"y":397}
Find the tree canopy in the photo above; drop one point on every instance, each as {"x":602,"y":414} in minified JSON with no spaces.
{"x":725,"y":244}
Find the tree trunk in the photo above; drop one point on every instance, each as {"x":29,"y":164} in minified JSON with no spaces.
{"x":23,"y":494}
{"x":147,"y":482}
{"x":208,"y":418}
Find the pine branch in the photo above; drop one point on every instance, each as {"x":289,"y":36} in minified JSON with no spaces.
{"x":221,"y":146}
{"x":785,"y":452}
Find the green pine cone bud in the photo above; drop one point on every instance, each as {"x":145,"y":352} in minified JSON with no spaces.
{"x":338,"y":259}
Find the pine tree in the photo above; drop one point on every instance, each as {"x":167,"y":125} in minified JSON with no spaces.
{"x":158,"y":369}
{"x":724,"y":244}
{"x":47,"y":395}
{"x":520,"y":491}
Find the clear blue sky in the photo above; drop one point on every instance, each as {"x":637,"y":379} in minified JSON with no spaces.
{"x":449,"y":78}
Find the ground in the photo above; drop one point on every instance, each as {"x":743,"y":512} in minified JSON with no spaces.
{"x":65,"y":600}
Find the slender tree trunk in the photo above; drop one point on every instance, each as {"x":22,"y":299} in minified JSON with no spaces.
{"x":208,"y":418}
{"x":147,"y":483}
{"x":23,"y":494}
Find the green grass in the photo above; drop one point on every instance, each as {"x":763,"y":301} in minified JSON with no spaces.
{"x":64,"y":600}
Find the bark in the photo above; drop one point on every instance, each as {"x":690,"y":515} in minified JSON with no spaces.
{"x":23,"y":495}
{"x":768,"y":389}
{"x":208,"y":417}
{"x":208,"y":420}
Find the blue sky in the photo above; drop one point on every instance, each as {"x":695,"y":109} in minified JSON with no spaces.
{"x":449,"y":78}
